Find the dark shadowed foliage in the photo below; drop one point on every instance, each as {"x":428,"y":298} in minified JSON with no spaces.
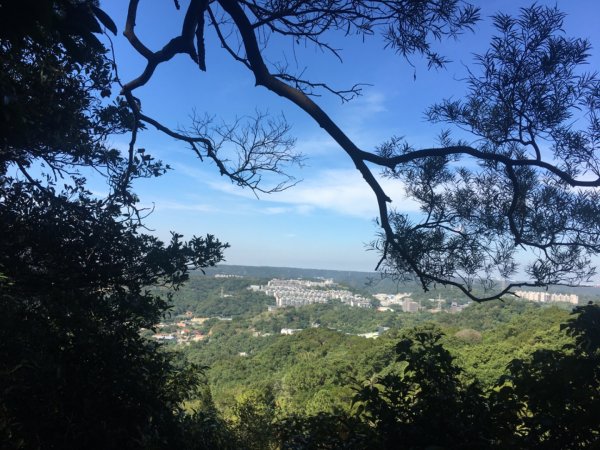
{"x":423,"y":402}
{"x":557,"y":393}
{"x":74,"y":267}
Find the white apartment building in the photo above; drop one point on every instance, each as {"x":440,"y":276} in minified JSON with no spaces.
{"x":304,"y":292}
{"x":548,"y":297}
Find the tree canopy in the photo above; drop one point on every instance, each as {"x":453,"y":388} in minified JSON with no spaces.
{"x":75,"y":268}
{"x":524,"y":181}
{"x":527,"y":380}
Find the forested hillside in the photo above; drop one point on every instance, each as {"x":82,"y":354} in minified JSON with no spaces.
{"x":326,"y":386}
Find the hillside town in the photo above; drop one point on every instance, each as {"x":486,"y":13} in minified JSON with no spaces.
{"x":187,"y":328}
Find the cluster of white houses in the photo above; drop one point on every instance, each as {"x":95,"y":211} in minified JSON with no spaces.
{"x":548,"y":297}
{"x":305,"y":292}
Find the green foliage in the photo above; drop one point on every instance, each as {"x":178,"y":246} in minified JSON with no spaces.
{"x":334,"y":315}
{"x":75,"y":371}
{"x":558,"y":390}
{"x":323,"y":431}
{"x":253,"y":419}
{"x":519,"y":331}
{"x":219,"y":297}
{"x":413,"y":385}
{"x":423,"y":394}
{"x":53,"y":75}
{"x":204,"y":428}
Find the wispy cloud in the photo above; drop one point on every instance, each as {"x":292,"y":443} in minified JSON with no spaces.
{"x":162,"y":205}
{"x":274,"y":210}
{"x":340,"y":191}
{"x":371,"y":103}
{"x":316,"y":144}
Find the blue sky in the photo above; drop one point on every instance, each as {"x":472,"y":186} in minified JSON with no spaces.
{"x":326,"y":220}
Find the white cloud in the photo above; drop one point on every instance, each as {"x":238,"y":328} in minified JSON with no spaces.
{"x":276,"y":210}
{"x":341,"y":191}
{"x":316,"y":144}
{"x":163,"y":205}
{"x":371,"y":103}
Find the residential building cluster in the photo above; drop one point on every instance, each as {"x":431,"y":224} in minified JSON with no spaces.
{"x":305,"y":292}
{"x":184,"y":330}
{"x":548,"y":297}
{"x":181,"y":336}
{"x":403,"y":299}
{"x":407,"y":304}
{"x":391,"y":299}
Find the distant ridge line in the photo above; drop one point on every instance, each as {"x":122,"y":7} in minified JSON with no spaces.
{"x":238,"y":267}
